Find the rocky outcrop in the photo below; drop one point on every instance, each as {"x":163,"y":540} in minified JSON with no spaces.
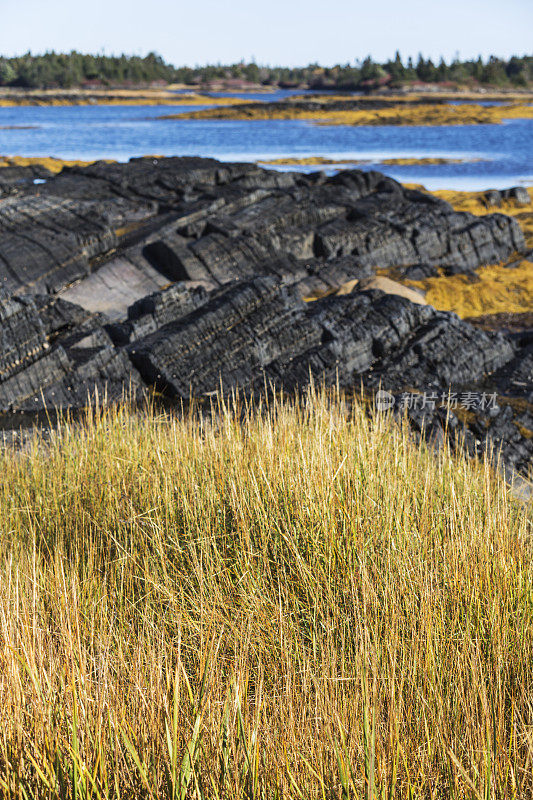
{"x":190,"y":276}
{"x":199,"y":220}
{"x":519,"y":194}
{"x":258,"y":329}
{"x":58,"y":356}
{"x":14,"y":178}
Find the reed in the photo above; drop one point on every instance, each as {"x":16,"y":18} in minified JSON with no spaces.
{"x":293,"y":600}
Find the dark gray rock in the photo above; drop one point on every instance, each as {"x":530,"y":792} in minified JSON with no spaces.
{"x":197,"y":219}
{"x":229,"y":341}
{"x":63,"y":381}
{"x":519,"y":194}
{"x":15,"y":179}
{"x":22,"y":334}
{"x":189,"y":275}
{"x":57,"y":355}
{"x":493,"y":197}
{"x":260,"y":328}
{"x":153,"y":312}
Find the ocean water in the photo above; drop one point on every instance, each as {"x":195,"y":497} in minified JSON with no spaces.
{"x":120,"y":132}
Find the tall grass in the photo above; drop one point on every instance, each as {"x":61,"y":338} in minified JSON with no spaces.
{"x":297,"y":602}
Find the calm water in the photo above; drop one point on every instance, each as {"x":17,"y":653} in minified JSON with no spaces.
{"x":119,"y":132}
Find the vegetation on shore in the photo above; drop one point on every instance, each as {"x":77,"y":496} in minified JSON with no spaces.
{"x":54,"y":165}
{"x":299,"y":602}
{"x":75,"y":69}
{"x":401,"y":114}
{"x":494,"y":289}
{"x":309,"y":161}
{"x":66,"y":70}
{"x":115,"y":97}
{"x":491,"y":290}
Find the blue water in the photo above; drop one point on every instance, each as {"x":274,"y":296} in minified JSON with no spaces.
{"x":277,"y":94}
{"x":119,"y":132}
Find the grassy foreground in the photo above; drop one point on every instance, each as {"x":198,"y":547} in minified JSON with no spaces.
{"x":295,"y":603}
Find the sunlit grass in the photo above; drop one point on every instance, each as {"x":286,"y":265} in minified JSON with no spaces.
{"x":293,"y":602}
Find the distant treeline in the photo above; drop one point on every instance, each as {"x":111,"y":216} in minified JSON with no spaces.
{"x":76,"y":69}
{"x":68,"y":70}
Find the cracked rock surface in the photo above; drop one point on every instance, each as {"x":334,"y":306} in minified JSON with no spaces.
{"x":188,"y":275}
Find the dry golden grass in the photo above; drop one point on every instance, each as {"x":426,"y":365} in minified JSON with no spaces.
{"x":294,"y":603}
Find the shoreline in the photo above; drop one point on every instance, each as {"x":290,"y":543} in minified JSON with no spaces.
{"x":309,"y":161}
{"x":118,"y":97}
{"x":177,"y":94}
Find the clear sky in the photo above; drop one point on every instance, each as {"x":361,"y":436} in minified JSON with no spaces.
{"x":291,"y":32}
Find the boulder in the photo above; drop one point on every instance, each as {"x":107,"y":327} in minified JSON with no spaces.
{"x":519,"y":194}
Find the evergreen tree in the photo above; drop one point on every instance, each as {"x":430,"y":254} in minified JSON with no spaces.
{"x":74,"y":69}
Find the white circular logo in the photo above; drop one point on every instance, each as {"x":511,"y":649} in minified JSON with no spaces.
{"x":384,"y":400}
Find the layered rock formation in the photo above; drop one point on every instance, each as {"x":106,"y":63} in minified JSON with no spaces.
{"x":190,"y":276}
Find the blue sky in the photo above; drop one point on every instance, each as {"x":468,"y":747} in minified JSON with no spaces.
{"x":289,"y":32}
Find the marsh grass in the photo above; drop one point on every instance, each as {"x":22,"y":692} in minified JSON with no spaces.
{"x":286,"y":602}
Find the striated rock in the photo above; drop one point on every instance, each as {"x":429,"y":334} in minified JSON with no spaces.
{"x":156,"y":220}
{"x":190,"y":275}
{"x":493,"y":197}
{"x":257,"y":329}
{"x":22,"y":334}
{"x":13,"y":179}
{"x":47,"y":243}
{"x":71,"y":380}
{"x":388,"y":339}
{"x":57,"y":355}
{"x":153,"y":312}
{"x":229,"y":341}
{"x":517,"y":193}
